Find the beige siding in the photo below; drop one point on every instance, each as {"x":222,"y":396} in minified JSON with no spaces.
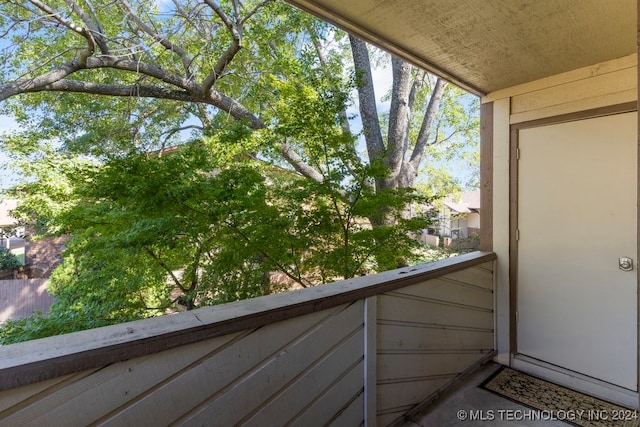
{"x":290,"y":370}
{"x":501,"y":232}
{"x":428,"y":334}
{"x":601,"y":85}
{"x":610,"y":83}
{"x":377,"y":357}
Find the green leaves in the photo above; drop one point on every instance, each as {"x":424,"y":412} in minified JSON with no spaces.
{"x":203,"y":151}
{"x":8,"y":260}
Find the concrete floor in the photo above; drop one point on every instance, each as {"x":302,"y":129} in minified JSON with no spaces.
{"x":469,"y":405}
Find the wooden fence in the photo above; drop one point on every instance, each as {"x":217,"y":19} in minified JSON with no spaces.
{"x":21,"y":298}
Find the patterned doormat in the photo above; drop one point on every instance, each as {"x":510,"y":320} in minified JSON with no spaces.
{"x":550,"y":401}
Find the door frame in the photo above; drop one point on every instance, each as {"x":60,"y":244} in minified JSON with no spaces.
{"x":513,"y":208}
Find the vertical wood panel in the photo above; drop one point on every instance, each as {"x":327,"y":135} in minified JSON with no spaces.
{"x":501,"y":109}
{"x":486,"y":176}
{"x":513,"y":242}
{"x":370,"y":359}
{"x":638,"y":185}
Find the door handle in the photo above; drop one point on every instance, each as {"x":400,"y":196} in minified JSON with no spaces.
{"x":625,"y":263}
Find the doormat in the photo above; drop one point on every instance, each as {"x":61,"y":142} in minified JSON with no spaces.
{"x":550,"y":401}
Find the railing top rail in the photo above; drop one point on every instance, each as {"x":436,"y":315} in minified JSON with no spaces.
{"x":46,"y":358}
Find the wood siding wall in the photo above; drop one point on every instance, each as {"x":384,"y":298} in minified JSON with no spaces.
{"x":428,"y":334}
{"x":390,"y":350}
{"x":606,"y":88}
{"x":601,"y":85}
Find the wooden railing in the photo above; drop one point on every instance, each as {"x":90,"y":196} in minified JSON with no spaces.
{"x":367,"y":350}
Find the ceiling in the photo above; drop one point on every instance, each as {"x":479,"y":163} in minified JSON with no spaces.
{"x":487,"y":45}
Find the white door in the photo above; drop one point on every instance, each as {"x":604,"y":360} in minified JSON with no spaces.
{"x":576,"y":308}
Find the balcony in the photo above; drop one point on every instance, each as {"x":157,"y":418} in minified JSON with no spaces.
{"x":370,"y":350}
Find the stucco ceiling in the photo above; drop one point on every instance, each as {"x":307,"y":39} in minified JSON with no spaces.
{"x":487,"y":45}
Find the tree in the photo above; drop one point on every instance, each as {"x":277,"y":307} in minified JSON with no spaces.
{"x":231,"y":56}
{"x":150,"y":231}
{"x":8,"y":260}
{"x":270,"y":179}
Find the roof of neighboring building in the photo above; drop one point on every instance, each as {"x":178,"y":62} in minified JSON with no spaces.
{"x":465,"y":202}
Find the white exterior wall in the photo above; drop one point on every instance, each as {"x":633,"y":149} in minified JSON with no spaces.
{"x":606,"y":84}
{"x":473,"y":220}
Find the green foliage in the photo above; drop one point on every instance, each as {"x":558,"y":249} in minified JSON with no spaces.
{"x":162,"y":221}
{"x":190,"y":228}
{"x":8,"y":260}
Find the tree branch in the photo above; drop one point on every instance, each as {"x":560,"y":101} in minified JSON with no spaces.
{"x":142,"y":68}
{"x":417,"y":84}
{"x":166,"y":268}
{"x":38,"y":83}
{"x":234,"y":108}
{"x":255,"y":10}
{"x":94,"y":30}
{"x":235,"y":30}
{"x":172,"y":132}
{"x":298,"y":164}
{"x":367,"y":99}
{"x":91,"y":44}
{"x":322,"y":57}
{"x":427,"y":123}
{"x":184,"y":57}
{"x":281,"y":267}
{"x":78,"y":86}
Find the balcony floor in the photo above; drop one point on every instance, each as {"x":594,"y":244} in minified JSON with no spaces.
{"x":471,"y":401}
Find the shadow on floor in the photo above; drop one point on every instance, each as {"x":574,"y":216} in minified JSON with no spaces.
{"x":469,"y":405}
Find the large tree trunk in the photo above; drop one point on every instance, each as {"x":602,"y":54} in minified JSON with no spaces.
{"x":403,"y":164}
{"x":399,"y":120}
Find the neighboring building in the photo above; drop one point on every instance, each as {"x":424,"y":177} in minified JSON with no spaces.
{"x":460,"y":215}
{"x":11,"y":234}
{"x":6,"y":206}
